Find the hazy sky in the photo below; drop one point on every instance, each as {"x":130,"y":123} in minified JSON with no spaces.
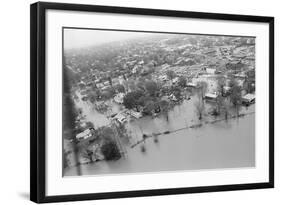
{"x":76,"y":38}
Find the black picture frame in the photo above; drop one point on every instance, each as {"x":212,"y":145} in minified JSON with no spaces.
{"x":38,"y":100}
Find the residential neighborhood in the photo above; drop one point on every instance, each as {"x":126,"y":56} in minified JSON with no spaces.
{"x":122,"y":99}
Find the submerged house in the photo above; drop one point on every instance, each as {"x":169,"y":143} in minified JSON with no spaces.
{"x":248,"y":99}
{"x":211,"y":96}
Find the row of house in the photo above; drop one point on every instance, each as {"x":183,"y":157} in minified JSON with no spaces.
{"x":246,"y":99}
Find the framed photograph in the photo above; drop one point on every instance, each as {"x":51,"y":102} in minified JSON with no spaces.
{"x":129,"y":102}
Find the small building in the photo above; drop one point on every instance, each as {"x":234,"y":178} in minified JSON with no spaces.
{"x":135,"y":114}
{"x":141,"y":62}
{"x":240,"y":75}
{"x":211,"y":70}
{"x":165,"y":66}
{"x":211,"y":96}
{"x":120,"y":118}
{"x":192,"y":85}
{"x":248,"y":99}
{"x":106,"y":83}
{"x":180,"y":61}
{"x":99,"y":85}
{"x":173,"y":98}
{"x":85,"y":134}
{"x":163,"y":77}
{"x":105,"y":87}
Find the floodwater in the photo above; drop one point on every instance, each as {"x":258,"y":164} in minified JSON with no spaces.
{"x":224,"y":144}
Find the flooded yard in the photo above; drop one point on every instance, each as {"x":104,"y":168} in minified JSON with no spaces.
{"x":224,"y":144}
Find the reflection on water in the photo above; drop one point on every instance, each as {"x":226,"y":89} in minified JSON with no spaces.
{"x":225,"y":144}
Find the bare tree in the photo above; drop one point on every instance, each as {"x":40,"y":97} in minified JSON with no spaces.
{"x":235,"y":97}
{"x":203,"y":86}
{"x":221,"y":82}
{"x":219,"y":104}
{"x":199,"y":108}
{"x":164,"y":107}
{"x":226,"y":108}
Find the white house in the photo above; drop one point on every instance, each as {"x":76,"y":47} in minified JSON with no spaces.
{"x":85,"y":134}
{"x":211,"y":70}
{"x":211,"y":96}
{"x":120,"y":118}
{"x":193,"y":85}
{"x":248,"y":98}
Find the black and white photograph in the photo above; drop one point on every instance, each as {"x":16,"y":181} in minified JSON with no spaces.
{"x":152,"y":102}
{"x":135,"y":102}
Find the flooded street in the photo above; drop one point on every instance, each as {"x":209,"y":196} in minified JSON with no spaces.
{"x":224,"y":144}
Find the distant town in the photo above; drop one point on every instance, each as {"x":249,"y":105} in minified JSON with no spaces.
{"x":122,"y":98}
